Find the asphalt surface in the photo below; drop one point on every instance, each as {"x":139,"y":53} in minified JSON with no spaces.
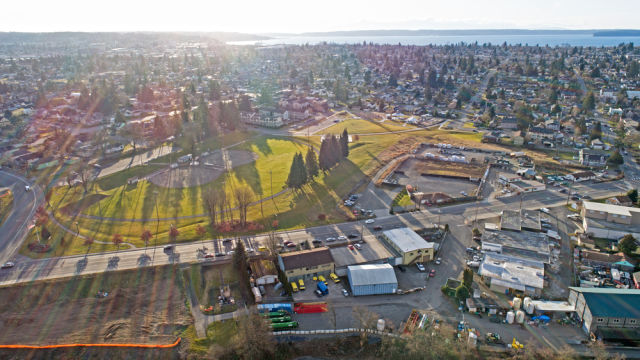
{"x":15,"y":227}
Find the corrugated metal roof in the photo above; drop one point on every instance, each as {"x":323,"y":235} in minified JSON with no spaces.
{"x":407,"y":240}
{"x":372,"y":274}
{"x":611,"y":302}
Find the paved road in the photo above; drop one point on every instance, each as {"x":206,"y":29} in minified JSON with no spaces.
{"x":15,"y":227}
{"x":136,"y":160}
{"x":458,"y":216}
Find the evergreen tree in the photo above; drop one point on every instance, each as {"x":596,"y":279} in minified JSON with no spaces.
{"x":323,"y":160}
{"x":335,"y":150}
{"x":589,"y":102}
{"x":311,"y":163}
{"x":344,"y":143}
{"x":297,"y":173}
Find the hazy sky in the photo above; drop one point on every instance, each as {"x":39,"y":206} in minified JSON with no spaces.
{"x":258,"y":16}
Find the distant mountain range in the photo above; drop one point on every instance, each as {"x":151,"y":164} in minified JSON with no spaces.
{"x":595,"y":32}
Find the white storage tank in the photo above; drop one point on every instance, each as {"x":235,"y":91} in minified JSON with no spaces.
{"x":381,"y":325}
{"x":530,"y":308}
{"x":516,"y":303}
{"x":510,"y":317}
{"x":526,"y":302}
{"x":520,"y":316}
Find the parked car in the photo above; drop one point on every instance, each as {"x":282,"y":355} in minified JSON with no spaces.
{"x":353,"y":236}
{"x":544,"y":210}
{"x":330,"y":239}
{"x":369,"y":221}
{"x":432,"y":273}
{"x":377,"y":228}
{"x":168,"y":249}
{"x":219,"y":254}
{"x":8,"y":265}
{"x":358,"y":246}
{"x":208,"y":255}
{"x":345,"y":292}
{"x":421,"y":267}
{"x":318,"y":293}
{"x":342,"y":238}
{"x":438,"y":261}
{"x":291,"y":245}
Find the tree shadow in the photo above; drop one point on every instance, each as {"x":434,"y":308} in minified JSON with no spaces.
{"x":262,"y":143}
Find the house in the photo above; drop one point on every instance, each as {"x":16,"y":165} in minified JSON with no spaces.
{"x":610,"y":221}
{"x":525,"y":186}
{"x":508,"y":123}
{"x":602,"y":309}
{"x":540,"y":133}
{"x":506,"y":274}
{"x":306,"y":263}
{"x":409,"y":246}
{"x":593,"y":158}
{"x":580,"y":176}
{"x":597,"y":144}
{"x":620,"y":200}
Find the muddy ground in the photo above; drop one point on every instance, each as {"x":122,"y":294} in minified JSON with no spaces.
{"x":142,"y":306}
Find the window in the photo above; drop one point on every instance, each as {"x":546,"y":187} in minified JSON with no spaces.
{"x":615,"y":321}
{"x":600,"y":320}
{"x":632,"y":321}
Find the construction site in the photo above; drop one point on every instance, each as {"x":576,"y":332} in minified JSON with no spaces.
{"x":144,"y":307}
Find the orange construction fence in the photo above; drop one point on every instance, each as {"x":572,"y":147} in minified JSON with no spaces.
{"x":152,"y":346}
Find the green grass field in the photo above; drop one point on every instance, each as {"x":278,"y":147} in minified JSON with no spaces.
{"x":292,"y":209}
{"x":361,"y":126}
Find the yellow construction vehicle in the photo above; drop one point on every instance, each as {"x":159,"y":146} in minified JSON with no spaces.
{"x":515,"y":344}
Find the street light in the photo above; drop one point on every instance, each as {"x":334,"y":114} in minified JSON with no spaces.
{"x":77,"y":229}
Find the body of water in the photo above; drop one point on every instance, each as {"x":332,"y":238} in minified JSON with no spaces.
{"x":532,"y":40}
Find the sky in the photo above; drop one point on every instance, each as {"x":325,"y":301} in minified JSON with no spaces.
{"x":295,"y":16}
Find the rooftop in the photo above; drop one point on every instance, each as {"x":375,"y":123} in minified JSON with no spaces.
{"x":608,"y":208}
{"x":372,"y":274}
{"x":306,"y":258}
{"x":523,"y":243}
{"x":518,"y":220}
{"x":611,"y":302}
{"x":372,"y":250}
{"x":407,"y":240}
{"x":513,"y":272}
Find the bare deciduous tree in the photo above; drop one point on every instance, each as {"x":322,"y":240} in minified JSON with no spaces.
{"x":243,"y":196}
{"x":212,"y":200}
{"x":255,"y":340}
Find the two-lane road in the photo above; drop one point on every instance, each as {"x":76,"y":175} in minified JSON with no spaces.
{"x":15,"y":227}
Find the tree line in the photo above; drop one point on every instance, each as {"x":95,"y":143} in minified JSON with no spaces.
{"x":332,"y":150}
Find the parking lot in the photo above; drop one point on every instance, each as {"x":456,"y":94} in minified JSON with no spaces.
{"x":335,"y":290}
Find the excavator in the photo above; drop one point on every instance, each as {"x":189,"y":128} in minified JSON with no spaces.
{"x":515,"y":344}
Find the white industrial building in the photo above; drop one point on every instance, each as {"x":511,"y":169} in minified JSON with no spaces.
{"x":372,"y":279}
{"x":610,"y":221}
{"x":506,"y":274}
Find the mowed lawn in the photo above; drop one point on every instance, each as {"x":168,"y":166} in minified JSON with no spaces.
{"x":292,"y":209}
{"x":361,"y":126}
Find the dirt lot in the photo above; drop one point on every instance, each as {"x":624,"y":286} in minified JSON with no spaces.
{"x":443,"y":168}
{"x":210,"y":168}
{"x":142,"y":306}
{"x":413,"y":170}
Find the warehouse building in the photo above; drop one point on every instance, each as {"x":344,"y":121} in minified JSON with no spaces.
{"x":307,"y":263}
{"x":372,"y":279}
{"x":607,"y":311}
{"x":409,"y":246}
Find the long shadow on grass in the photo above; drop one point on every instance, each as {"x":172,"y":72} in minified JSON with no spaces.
{"x":263,"y":145}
